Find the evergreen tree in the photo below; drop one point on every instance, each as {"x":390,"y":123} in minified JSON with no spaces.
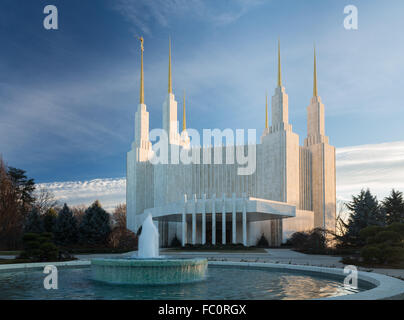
{"x":393,"y":206}
{"x":25,"y":188}
{"x":95,"y":225}
{"x":364,"y":211}
{"x":49,"y":220}
{"x":65,"y":231}
{"x":34,"y":223}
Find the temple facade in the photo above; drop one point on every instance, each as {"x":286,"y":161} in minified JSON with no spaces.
{"x":293,"y":187}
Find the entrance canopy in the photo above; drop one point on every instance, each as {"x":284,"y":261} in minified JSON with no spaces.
{"x":256,"y":209}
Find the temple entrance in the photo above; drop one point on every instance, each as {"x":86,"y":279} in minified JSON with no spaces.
{"x":219,"y":230}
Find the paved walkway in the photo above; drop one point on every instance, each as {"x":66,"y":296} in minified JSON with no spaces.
{"x":7,"y":257}
{"x":286,"y":256}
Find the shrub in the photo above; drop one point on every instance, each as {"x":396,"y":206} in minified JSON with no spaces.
{"x":370,"y":254}
{"x":262,"y":242}
{"x":317,"y":239}
{"x":397,"y":227}
{"x":393,"y":254}
{"x":48,"y":251}
{"x":39,"y":247}
{"x":175,"y":242}
{"x":369,"y":232}
{"x":387,"y":236}
{"x":298,"y":239}
{"x":314,"y":241}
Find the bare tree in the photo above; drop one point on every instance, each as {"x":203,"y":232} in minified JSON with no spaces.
{"x":11,"y":216}
{"x":119,"y":216}
{"x":45,"y":200}
{"x":79,"y":211}
{"x":342,"y":218}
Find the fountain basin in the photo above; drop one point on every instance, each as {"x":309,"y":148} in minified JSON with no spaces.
{"x":149,"y":271}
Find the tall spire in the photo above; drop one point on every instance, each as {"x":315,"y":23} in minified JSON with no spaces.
{"x":279,"y":65}
{"x":170,"y":85}
{"x":141,"y":72}
{"x":315,"y":94}
{"x":266,"y":110}
{"x":184,"y":120}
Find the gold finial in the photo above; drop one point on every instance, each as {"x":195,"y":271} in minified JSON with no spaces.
{"x":184,"y":120}
{"x":266,"y":110}
{"x":141,"y":72}
{"x":315,"y":94}
{"x":279,"y":65}
{"x":170,"y":85}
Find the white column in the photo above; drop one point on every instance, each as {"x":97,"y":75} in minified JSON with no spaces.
{"x":204,"y":219}
{"x":233,"y":220}
{"x":214,"y":219}
{"x":184,"y":222}
{"x":194,"y":222}
{"x":224,"y":220}
{"x":244,"y":220}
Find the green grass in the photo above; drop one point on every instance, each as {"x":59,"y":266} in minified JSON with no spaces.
{"x":9,"y":253}
{"x":12,"y":261}
{"x":15,"y":261}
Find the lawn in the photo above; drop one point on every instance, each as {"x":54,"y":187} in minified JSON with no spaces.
{"x":9,"y":253}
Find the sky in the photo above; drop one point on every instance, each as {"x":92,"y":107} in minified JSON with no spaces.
{"x":68,"y":96}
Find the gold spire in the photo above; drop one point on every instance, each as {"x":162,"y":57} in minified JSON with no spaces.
{"x":266,"y":110}
{"x":170,"y":85}
{"x":141,"y":72}
{"x":315,"y":75}
{"x":279,"y":65}
{"x":184,"y":120}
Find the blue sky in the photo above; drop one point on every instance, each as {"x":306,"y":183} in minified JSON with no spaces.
{"x":68,"y":96}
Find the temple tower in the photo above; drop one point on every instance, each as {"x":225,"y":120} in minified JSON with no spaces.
{"x":282,"y":148}
{"x":170,"y":119}
{"x":137,"y":165}
{"x":323,"y":162}
{"x":279,"y":172}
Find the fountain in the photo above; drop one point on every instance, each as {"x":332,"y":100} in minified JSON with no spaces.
{"x":147,"y":266}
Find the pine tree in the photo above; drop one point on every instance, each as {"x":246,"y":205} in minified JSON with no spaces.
{"x":25,"y":188}
{"x":34,"y":223}
{"x":364,"y":211}
{"x":65,"y":230}
{"x":49,"y":220}
{"x":393,"y":206}
{"x":95,"y":225}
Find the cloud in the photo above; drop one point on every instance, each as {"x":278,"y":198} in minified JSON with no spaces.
{"x":379,"y":167}
{"x":143,"y":14}
{"x":109,"y":192}
{"x":65,"y":113}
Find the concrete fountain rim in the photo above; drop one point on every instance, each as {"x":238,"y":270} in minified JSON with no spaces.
{"x":145,"y":262}
{"x":386,"y":287}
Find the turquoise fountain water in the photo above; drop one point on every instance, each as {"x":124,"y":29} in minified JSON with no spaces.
{"x":147,"y":266}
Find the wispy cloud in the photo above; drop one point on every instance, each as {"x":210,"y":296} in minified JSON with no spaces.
{"x":109,"y":192}
{"x":143,"y":14}
{"x":66,"y":113}
{"x":379,"y":167}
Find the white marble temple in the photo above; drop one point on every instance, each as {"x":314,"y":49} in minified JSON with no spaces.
{"x":292,"y":188}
